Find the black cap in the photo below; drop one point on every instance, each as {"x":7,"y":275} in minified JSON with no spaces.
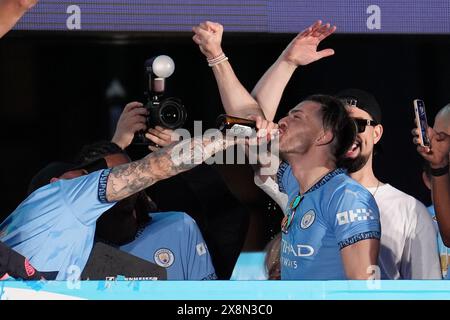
{"x":57,"y":169}
{"x":362,"y":100}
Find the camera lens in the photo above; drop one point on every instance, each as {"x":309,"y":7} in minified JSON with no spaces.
{"x":172,"y":113}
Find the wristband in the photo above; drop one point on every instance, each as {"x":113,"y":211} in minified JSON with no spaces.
{"x":440,"y":171}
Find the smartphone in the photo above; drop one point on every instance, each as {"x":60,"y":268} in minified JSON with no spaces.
{"x":421,"y":121}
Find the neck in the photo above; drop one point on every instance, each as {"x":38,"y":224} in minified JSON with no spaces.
{"x":308,"y":171}
{"x":365,"y":175}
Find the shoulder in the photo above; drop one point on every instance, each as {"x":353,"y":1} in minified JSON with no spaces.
{"x":405,"y":202}
{"x":346,"y":187}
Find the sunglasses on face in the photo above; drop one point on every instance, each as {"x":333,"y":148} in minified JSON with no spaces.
{"x":362,"y":123}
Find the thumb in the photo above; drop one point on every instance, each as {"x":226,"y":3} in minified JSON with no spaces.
{"x":431,"y":133}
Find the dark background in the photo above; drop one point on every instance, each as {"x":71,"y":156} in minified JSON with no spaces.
{"x":52,"y":96}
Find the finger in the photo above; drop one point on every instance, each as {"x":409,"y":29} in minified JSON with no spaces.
{"x":270,"y":126}
{"x":164,"y":130}
{"x":154,"y":138}
{"x":327,"y":33}
{"x":137,"y":119}
{"x":316,"y":26}
{"x":270,"y":130}
{"x":430,"y":133}
{"x":153,"y":148}
{"x":163,"y":137}
{"x":325,"y":53}
{"x":204,"y":26}
{"x":308,"y":31}
{"x":415,"y":132}
{"x":138,"y":127}
{"x":257,"y":119}
{"x":424,"y":151}
{"x":214,"y":26}
{"x":197,"y":39}
{"x":321,"y":30}
{"x":132,"y":105}
{"x":304,"y":33}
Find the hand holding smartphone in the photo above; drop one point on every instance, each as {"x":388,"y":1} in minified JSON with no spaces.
{"x":421,"y":121}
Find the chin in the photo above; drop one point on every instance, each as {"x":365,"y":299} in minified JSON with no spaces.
{"x":353,"y":164}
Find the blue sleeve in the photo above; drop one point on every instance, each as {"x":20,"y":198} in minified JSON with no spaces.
{"x":354,"y":216}
{"x":86,"y":195}
{"x":285,"y":178}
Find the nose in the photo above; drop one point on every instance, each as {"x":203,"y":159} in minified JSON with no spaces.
{"x":282,"y":123}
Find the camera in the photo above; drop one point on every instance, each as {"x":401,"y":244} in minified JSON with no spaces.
{"x":167,"y":112}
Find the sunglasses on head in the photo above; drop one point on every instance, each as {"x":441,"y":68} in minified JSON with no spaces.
{"x":362,"y":123}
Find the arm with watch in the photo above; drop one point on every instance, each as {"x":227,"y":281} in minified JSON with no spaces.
{"x":438,"y":155}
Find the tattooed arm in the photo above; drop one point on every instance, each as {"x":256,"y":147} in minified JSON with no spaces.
{"x":130,"y":178}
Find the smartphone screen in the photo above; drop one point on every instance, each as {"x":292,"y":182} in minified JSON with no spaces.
{"x":421,"y":119}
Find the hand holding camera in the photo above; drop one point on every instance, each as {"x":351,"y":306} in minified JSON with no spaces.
{"x":132,"y":120}
{"x":165,"y":112}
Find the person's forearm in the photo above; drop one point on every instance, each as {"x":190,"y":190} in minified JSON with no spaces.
{"x":130,"y":178}
{"x":270,"y":87}
{"x":441,"y":198}
{"x":236,"y":100}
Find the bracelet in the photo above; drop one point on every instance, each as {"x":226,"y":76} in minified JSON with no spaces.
{"x":216,"y":57}
{"x":440,"y":171}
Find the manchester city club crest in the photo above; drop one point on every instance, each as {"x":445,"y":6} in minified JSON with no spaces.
{"x":164,"y":257}
{"x":308,"y":219}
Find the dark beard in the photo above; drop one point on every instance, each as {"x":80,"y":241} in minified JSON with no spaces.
{"x":353,"y":165}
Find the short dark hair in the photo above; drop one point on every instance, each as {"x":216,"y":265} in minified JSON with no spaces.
{"x":336,"y":119}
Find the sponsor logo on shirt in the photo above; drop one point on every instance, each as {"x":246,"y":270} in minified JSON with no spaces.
{"x":164,"y":257}
{"x":308,"y":219}
{"x":350,"y":216}
{"x":299,"y":250}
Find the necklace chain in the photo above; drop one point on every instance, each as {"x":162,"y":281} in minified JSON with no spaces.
{"x":376,"y":189}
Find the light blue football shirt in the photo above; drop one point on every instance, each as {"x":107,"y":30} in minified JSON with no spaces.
{"x":54,"y":227}
{"x":336,"y":212}
{"x":173,"y":241}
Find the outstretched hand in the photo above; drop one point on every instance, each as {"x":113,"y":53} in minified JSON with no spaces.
{"x":303,"y":48}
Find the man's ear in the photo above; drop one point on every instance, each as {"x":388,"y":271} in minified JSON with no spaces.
{"x":53,"y":180}
{"x":325,"y":138}
{"x":377,"y":133}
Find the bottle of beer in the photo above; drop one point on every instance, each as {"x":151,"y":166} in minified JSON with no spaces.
{"x":235,"y":126}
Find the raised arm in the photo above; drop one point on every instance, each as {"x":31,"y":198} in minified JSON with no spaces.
{"x":236,"y":100}
{"x":11,"y":11}
{"x":300,"y":52}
